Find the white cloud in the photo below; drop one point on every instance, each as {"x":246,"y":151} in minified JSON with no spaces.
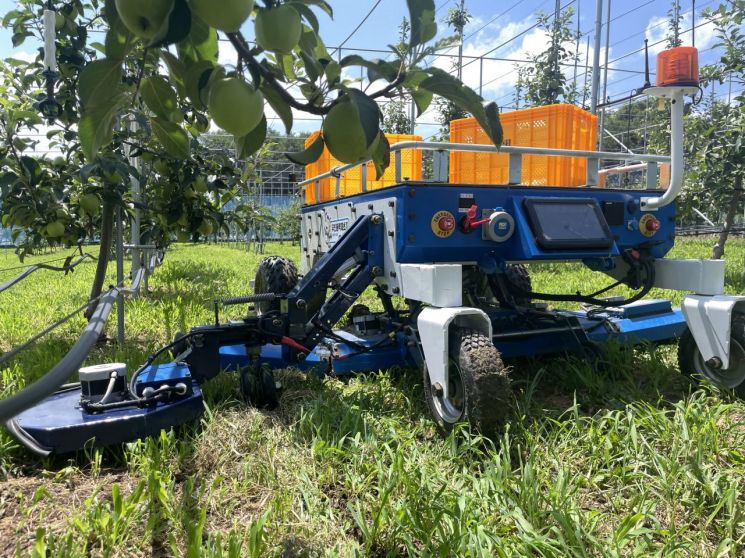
{"x":657,"y":31}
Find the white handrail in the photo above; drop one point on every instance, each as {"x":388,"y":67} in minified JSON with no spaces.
{"x":676,"y":96}
{"x":507,"y":149}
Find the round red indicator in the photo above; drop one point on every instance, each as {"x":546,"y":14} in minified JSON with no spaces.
{"x":649,"y":225}
{"x":443,"y":224}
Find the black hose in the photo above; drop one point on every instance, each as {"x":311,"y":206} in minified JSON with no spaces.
{"x":70,"y":363}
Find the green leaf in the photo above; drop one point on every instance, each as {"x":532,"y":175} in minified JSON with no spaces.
{"x":278,"y":104}
{"x":197,"y":78}
{"x":381,"y":157}
{"x":306,"y":13}
{"x":200,"y":44}
{"x":444,"y":85}
{"x":160,"y":98}
{"x":99,"y":81}
{"x":321,"y":4}
{"x":369,"y":112}
{"x":376,"y":69}
{"x":179,"y":25}
{"x":119,"y":40}
{"x":422,"y":97}
{"x":333,"y":72}
{"x":176,"y":72}
{"x":313,"y":68}
{"x":97,"y":121}
{"x":496,"y":133}
{"x":173,"y":138}
{"x":31,"y":170}
{"x":423,"y":24}
{"x":250,"y":143}
{"x":309,"y":155}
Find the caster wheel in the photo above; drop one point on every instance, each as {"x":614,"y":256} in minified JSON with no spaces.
{"x":258,"y":387}
{"x":478,"y":385}
{"x":692,"y":363}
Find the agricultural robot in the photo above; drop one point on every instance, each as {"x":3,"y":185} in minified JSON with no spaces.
{"x":446,"y":261}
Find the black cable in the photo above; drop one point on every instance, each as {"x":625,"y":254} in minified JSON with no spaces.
{"x":648,"y":285}
{"x":52,"y":380}
{"x":155,"y":355}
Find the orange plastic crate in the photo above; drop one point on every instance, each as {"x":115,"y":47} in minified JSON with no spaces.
{"x":351,"y":181}
{"x":556,"y":126}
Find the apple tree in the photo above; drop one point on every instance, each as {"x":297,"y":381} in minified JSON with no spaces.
{"x":139,"y":76}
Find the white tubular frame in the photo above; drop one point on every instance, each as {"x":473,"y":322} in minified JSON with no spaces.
{"x":434,"y":333}
{"x":677,"y":164}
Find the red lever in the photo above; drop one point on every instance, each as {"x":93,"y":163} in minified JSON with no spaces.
{"x":469,"y":222}
{"x":294,"y":345}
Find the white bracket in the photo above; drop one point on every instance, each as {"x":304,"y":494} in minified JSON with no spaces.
{"x":709,"y":319}
{"x":434,"y":328}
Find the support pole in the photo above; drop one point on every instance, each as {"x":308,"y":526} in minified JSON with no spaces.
{"x":119,"y":275}
{"x":137,"y":214}
{"x":605,"y":77}
{"x":596,"y":57}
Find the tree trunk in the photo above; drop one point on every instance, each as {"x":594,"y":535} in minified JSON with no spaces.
{"x":107,"y":235}
{"x":718,"y":252}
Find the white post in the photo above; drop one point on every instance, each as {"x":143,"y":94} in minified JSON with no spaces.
{"x":596,"y":57}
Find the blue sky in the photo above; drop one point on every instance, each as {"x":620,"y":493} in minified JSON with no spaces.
{"x":633,"y":20}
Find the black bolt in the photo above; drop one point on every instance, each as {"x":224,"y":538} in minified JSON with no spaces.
{"x":391,"y":204}
{"x":393,"y":273}
{"x":412,"y":216}
{"x":715,"y":362}
{"x":396,"y":290}
{"x":437,"y":389}
{"x":390,"y":233}
{"x":369,"y":206}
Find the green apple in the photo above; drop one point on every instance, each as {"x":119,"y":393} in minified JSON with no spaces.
{"x":225,"y":15}
{"x":205,"y":227}
{"x":235,"y":106}
{"x":59,"y":21}
{"x":278,"y":29}
{"x":55,"y":229}
{"x":147,"y":19}
{"x":91,"y":203}
{"x":200,"y":185}
{"x":344,"y":135}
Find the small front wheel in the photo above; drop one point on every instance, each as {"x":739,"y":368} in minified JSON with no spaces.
{"x":692,"y":362}
{"x":258,"y":386}
{"x":478,"y":385}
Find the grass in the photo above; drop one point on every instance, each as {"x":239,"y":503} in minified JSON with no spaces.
{"x":627,"y":460}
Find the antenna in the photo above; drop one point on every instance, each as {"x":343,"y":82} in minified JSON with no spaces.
{"x":647,"y":83}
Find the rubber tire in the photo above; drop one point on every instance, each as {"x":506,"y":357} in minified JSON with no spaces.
{"x":518,"y":275}
{"x":486,"y":383}
{"x":258,"y":387}
{"x":277,"y":275}
{"x":688,"y":354}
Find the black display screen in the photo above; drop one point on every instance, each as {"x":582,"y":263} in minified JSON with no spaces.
{"x":560,"y":224}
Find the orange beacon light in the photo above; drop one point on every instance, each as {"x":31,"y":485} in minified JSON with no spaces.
{"x":678,"y":67}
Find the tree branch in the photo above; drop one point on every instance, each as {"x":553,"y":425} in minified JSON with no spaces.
{"x":241,"y":46}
